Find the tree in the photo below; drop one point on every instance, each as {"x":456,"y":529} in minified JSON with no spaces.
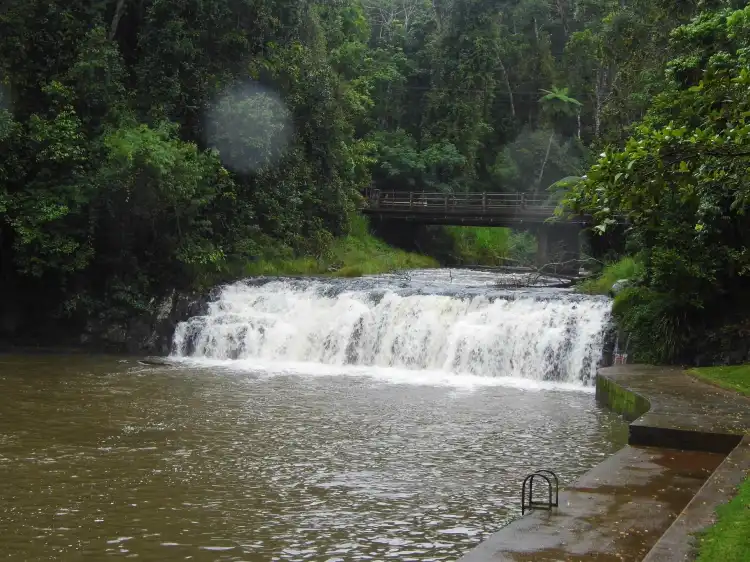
{"x":115,"y":185}
{"x":557,"y":104}
{"x":248,"y":128}
{"x":464,"y":80}
{"x":681,"y":183}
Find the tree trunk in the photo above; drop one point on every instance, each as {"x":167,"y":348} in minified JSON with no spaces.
{"x":438,"y":14}
{"x":578,"y":115}
{"x":510,"y":91}
{"x":599,"y":93}
{"x":409,"y":9}
{"x":544,"y":163}
{"x":562,"y":10}
{"x":119,"y":12}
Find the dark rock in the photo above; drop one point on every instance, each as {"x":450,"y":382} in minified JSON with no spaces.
{"x":140,"y":335}
{"x":610,"y":343}
{"x":169,"y":312}
{"x":116,"y":333}
{"x":155,"y":362}
{"x":150,"y":332}
{"x":9,"y":318}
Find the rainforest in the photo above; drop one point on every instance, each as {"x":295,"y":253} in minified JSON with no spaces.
{"x":148,"y":146}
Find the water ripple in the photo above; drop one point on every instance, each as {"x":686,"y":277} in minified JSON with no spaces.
{"x":227,"y":465}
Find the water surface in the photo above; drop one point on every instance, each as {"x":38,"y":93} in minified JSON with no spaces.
{"x":103,"y":457}
{"x":263,"y":458}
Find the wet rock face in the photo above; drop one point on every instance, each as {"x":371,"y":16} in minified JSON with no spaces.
{"x":149,"y":333}
{"x":611,"y":336}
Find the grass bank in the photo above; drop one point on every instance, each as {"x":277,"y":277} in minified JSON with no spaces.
{"x":729,"y":539}
{"x":359,"y":253}
{"x":489,"y":246}
{"x":626,"y":268}
{"x":735,"y":378}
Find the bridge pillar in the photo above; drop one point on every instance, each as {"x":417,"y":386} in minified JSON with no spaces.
{"x":558,"y":247}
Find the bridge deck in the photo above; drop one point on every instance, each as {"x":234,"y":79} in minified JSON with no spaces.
{"x":470,"y":209}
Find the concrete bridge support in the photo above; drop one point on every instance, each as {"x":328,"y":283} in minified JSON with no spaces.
{"x":558,"y":246}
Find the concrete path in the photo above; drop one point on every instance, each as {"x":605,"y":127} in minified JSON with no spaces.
{"x":677,"y":544}
{"x":684,"y":413}
{"x":619,"y":510}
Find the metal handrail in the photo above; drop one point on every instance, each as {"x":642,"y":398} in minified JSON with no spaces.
{"x":557,"y":484}
{"x":464,"y":201}
{"x":531,"y":504}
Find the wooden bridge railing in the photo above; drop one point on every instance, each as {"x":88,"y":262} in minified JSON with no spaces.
{"x":461,"y":202}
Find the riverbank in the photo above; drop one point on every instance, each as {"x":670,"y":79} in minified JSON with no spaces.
{"x":602,"y":284}
{"x":359,"y":253}
{"x":362,"y":252}
{"x":729,"y":539}
{"x":685,"y":456}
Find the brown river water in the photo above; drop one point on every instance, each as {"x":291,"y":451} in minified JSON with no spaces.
{"x":215,"y":458}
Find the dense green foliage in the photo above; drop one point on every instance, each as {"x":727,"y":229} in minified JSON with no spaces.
{"x":170,"y":143}
{"x":729,"y":539}
{"x":681,"y":183}
{"x":111,"y":185}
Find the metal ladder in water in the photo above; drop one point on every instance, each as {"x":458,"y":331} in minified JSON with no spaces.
{"x":548,"y":504}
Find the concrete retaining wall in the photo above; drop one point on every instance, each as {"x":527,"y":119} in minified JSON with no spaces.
{"x":645,"y":502}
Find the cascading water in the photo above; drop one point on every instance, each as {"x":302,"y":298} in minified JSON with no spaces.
{"x":465,"y":327}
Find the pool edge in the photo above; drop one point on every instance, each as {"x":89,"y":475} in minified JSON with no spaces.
{"x":667,"y":410}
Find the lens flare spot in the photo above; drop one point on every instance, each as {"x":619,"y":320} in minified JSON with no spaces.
{"x":250,"y":126}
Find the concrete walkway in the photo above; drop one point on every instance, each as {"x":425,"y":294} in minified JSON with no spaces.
{"x":619,"y":510}
{"x":676,"y":545}
{"x":684,"y":412}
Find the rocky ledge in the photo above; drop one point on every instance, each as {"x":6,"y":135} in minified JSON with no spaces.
{"x":149,"y":333}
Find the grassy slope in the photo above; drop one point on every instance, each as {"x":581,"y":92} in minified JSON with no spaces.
{"x":729,"y":539}
{"x":626,"y":268}
{"x":357,"y":254}
{"x":735,"y":378}
{"x":490,"y":245}
{"x":360,"y":253}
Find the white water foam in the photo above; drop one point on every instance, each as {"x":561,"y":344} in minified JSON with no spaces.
{"x":315,"y":328}
{"x":462,"y":381}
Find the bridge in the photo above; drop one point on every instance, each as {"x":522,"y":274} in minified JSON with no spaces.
{"x":464,"y":209}
{"x":558,"y":239}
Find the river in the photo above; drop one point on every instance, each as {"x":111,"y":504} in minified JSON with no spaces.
{"x":388,"y":418}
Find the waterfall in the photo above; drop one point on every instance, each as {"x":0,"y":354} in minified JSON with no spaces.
{"x":543,"y":336}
